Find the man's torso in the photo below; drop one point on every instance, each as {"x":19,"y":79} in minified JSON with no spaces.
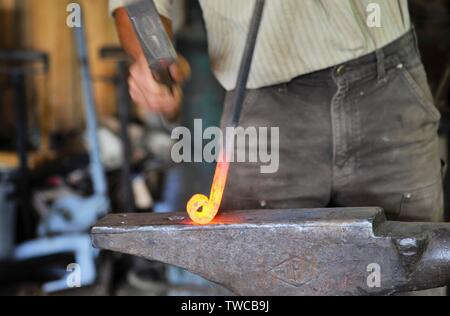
{"x":296,"y":36}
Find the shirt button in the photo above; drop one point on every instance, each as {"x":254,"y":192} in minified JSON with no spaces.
{"x":340,"y":71}
{"x":263,"y":203}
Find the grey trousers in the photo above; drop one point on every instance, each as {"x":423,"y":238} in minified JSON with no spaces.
{"x":363,"y":133}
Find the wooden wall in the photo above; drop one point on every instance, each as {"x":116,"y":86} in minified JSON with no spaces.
{"x":41,"y":24}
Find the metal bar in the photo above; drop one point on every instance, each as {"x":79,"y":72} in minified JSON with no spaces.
{"x":246,"y":64}
{"x":200,"y":208}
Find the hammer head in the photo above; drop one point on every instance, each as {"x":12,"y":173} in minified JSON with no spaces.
{"x":352,"y":251}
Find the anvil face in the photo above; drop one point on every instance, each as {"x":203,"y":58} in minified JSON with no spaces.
{"x":351,"y":251}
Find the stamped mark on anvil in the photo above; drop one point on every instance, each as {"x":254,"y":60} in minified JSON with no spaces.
{"x":296,"y":271}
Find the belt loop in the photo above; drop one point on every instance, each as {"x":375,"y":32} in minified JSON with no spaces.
{"x":381,"y":69}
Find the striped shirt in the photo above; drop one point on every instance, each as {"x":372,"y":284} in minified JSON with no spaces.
{"x":297,"y":36}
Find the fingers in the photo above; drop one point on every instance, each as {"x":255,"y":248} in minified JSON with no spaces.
{"x":141,"y":74}
{"x":170,"y":107}
{"x":180,"y":71}
{"x":176,"y":73}
{"x":154,"y":102}
{"x":159,"y":100}
{"x":146,"y":92}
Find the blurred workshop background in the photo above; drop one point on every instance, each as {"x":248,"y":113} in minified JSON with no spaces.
{"x":49,"y":197}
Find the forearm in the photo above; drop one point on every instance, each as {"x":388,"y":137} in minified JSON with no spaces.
{"x":127,"y":36}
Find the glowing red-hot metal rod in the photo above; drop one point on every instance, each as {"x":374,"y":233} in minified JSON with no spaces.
{"x":201,"y":209}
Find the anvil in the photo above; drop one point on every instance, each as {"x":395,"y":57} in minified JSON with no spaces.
{"x":351,"y":251}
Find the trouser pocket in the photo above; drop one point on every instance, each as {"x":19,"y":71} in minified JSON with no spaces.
{"x":416,"y":80}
